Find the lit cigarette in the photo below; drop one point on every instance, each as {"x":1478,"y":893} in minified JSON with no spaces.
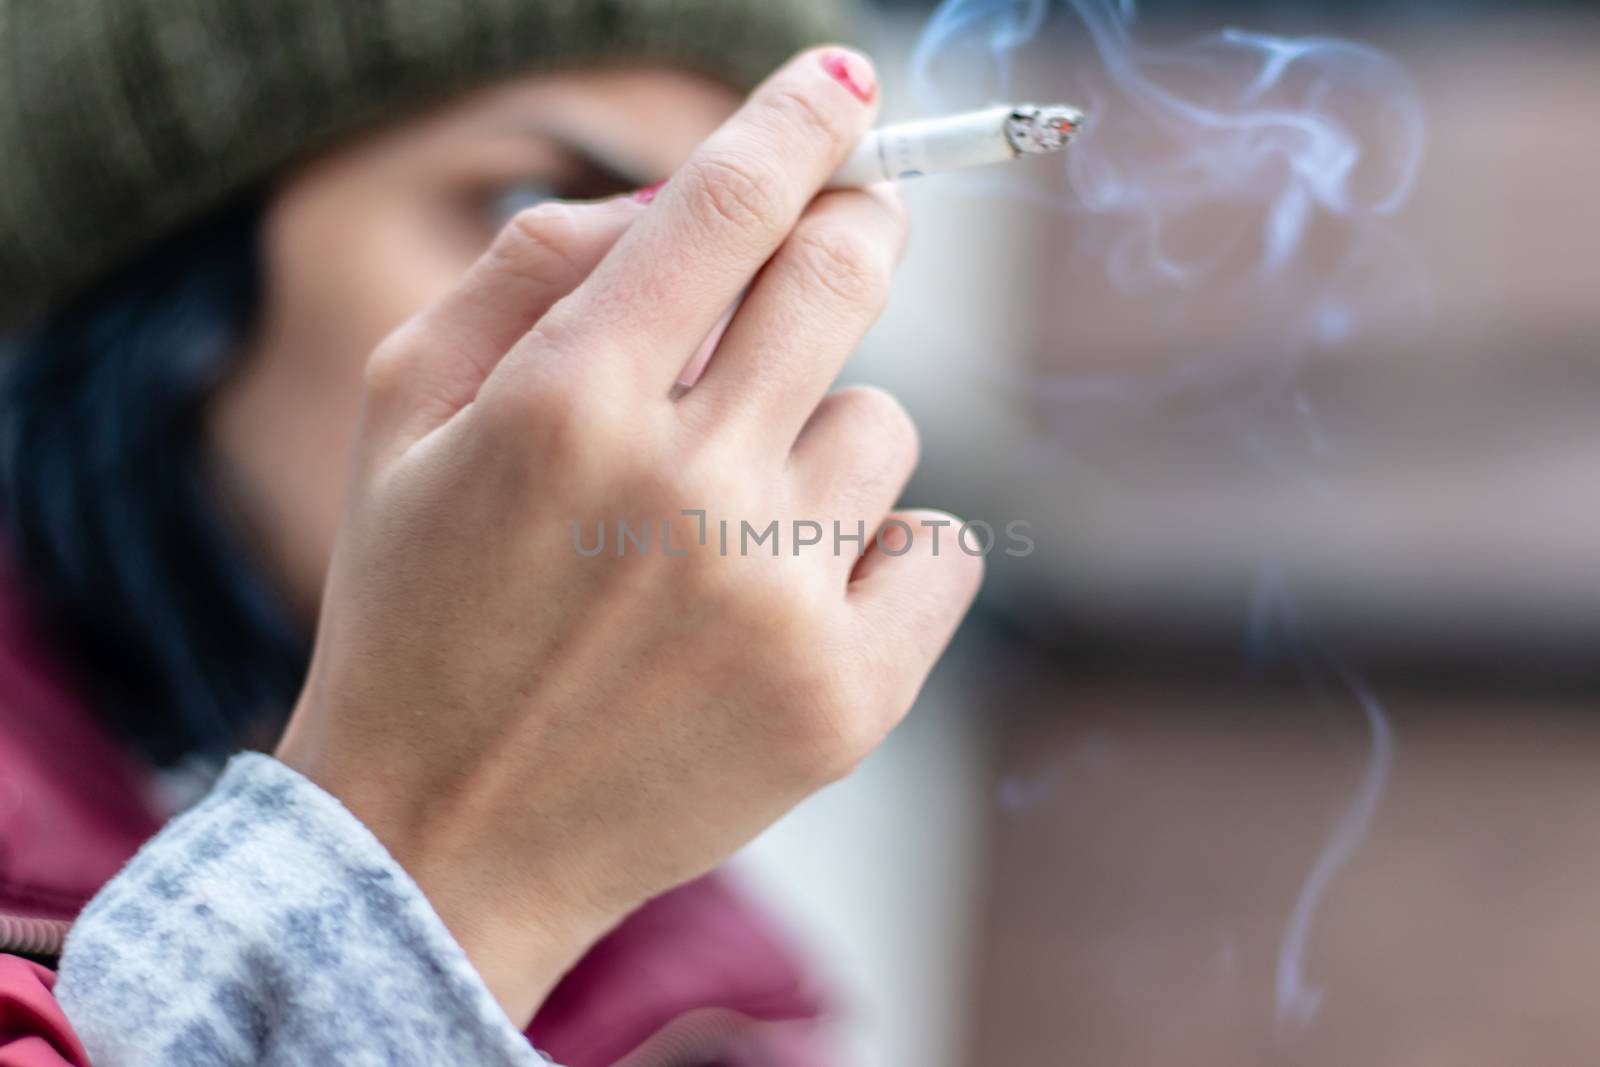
{"x":970,"y":139}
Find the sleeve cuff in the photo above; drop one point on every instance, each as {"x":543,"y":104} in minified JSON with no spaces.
{"x":269,"y":926}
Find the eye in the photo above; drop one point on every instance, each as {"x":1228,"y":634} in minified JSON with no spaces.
{"x":506,"y":201}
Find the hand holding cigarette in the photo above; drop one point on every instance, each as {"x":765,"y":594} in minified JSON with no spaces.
{"x":546,"y":740}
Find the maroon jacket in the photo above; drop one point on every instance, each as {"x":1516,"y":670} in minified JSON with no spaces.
{"x":694,"y":977}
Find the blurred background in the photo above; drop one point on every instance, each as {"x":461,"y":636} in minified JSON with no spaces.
{"x":1281,"y":746}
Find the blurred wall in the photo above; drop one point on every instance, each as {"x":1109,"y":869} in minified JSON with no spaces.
{"x":1091,"y":841}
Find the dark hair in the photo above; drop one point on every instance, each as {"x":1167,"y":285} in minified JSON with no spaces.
{"x":112,"y":517}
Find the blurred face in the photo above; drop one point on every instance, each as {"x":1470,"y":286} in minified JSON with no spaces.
{"x":363,"y":238}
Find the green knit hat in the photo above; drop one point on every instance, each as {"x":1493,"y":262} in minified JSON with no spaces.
{"x":122,"y":119}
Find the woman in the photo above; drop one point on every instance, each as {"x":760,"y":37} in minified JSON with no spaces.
{"x":511,"y":762}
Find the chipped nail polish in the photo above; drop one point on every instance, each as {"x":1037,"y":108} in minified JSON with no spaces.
{"x":853,"y":72}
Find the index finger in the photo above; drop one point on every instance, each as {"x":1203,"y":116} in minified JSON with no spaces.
{"x":662,"y":289}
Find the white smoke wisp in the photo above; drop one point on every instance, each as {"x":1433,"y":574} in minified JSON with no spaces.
{"x":1287,"y":128}
{"x":1203,"y":170}
{"x":1202,"y":176}
{"x":1274,"y":618}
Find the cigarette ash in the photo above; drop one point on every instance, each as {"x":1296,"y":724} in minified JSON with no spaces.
{"x":1034,"y":130}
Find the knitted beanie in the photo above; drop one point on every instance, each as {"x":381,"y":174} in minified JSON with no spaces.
{"x":120,"y":120}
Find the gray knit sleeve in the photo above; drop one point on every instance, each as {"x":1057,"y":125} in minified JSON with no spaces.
{"x":268,"y":926}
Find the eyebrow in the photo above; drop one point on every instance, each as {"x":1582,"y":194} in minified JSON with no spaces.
{"x":608,"y":155}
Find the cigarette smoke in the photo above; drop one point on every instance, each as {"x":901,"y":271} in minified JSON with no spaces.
{"x":1202,"y":171}
{"x":1288,"y":128}
{"x":1204,"y":168}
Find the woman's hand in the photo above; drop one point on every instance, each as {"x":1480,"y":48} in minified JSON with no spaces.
{"x":546,"y":739}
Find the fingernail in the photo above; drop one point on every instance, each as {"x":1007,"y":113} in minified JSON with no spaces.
{"x":648,"y":193}
{"x":853,"y":71}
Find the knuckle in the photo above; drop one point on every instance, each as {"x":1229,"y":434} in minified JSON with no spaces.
{"x":837,"y":737}
{"x":545,"y":427}
{"x":749,"y":601}
{"x":698,"y":481}
{"x":716,"y":588}
{"x":818,"y":725}
{"x":666,"y":493}
{"x":802,"y":116}
{"x":547,"y":441}
{"x":537,"y":242}
{"x":846,"y":265}
{"x":738,"y":191}
{"x":881,"y":415}
{"x":560,"y":333}
{"x":517,"y":416}
{"x":387,"y":374}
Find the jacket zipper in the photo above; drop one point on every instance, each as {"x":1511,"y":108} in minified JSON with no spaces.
{"x":32,"y":935}
{"x":699,"y":1037}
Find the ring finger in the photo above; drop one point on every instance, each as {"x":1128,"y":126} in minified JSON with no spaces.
{"x":805,"y":313}
{"x":852,"y":461}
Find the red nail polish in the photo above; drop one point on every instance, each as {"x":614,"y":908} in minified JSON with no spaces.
{"x":648,"y":193}
{"x":853,"y":72}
